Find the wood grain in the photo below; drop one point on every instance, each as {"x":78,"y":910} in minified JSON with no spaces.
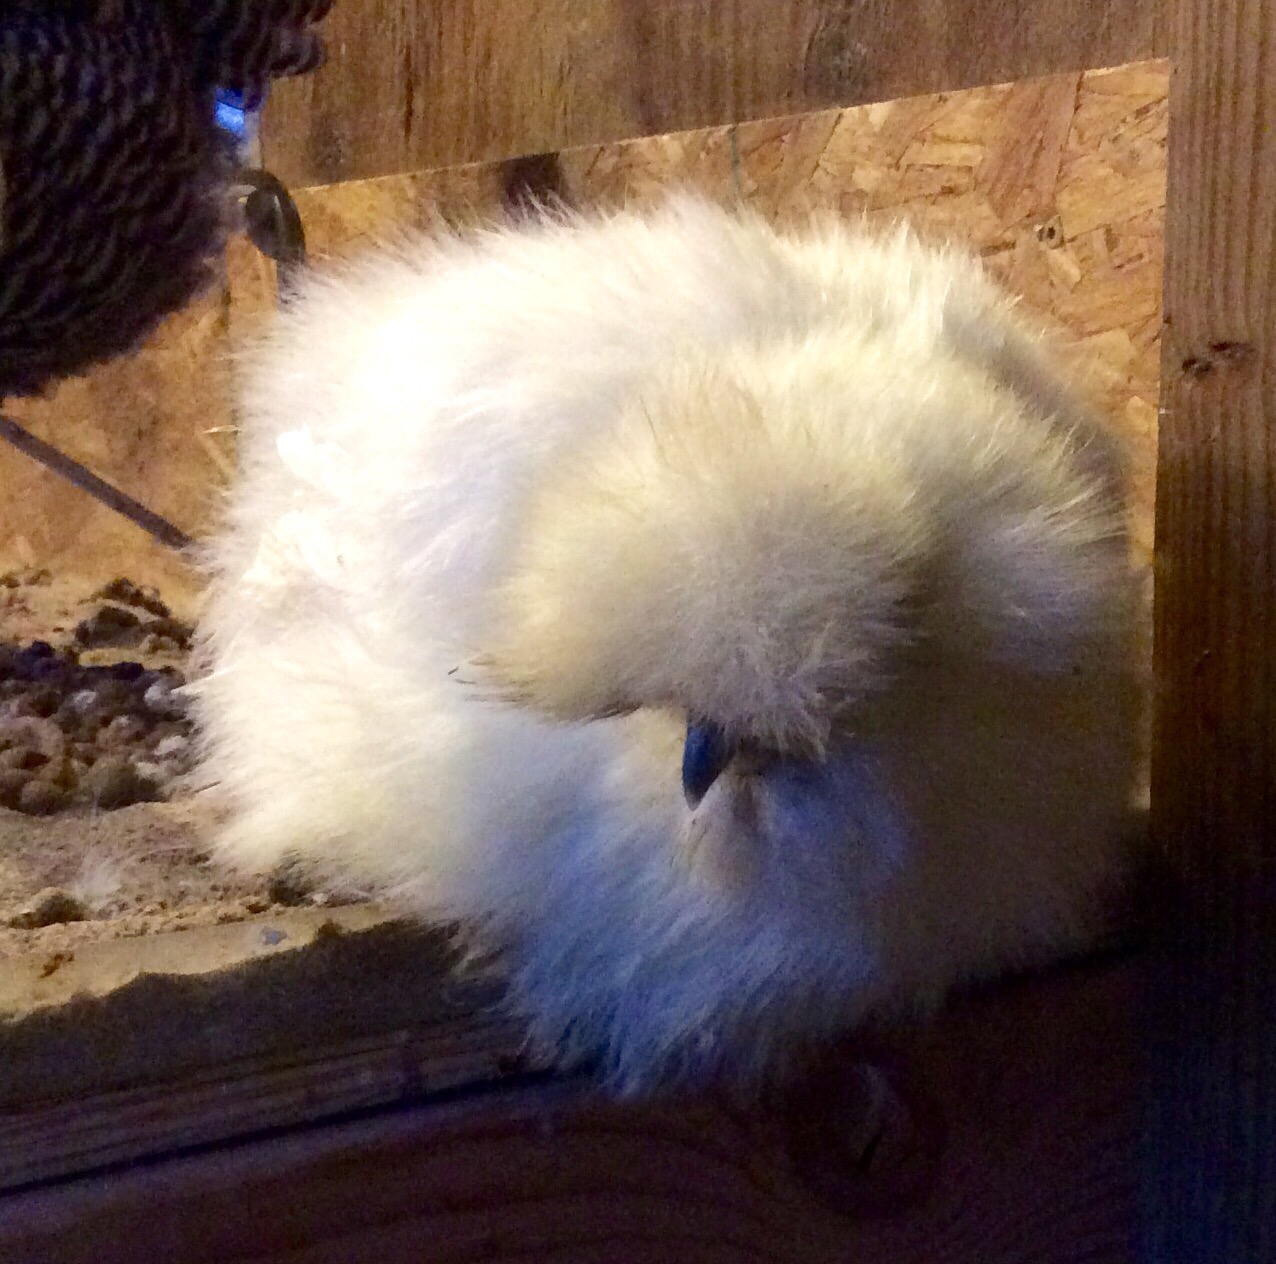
{"x":1210,"y":1178}
{"x":412,"y":84}
{"x":1031,"y":1086}
{"x":153,"y":424}
{"x":161,"y":1026}
{"x":45,"y":1141}
{"x":143,"y":1046}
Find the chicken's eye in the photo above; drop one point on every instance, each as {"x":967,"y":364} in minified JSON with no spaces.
{"x":705,"y":754}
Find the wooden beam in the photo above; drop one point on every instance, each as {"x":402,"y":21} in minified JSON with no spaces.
{"x":1025,"y":1093}
{"x":1210,"y":1177}
{"x":414,"y":84}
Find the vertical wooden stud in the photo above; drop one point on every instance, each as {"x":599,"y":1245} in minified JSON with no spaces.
{"x":1210,"y":1139}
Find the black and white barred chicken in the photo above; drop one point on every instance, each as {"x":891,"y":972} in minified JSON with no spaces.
{"x":116,"y":177}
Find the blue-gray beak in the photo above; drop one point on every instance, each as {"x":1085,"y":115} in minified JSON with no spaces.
{"x":705,"y":754}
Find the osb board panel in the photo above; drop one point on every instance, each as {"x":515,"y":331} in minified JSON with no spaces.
{"x":154,"y":425}
{"x":1059,"y":183}
{"x":343,"y":217}
{"x":412,"y":84}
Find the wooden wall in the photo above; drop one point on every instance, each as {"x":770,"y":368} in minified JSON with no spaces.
{"x":428,"y":83}
{"x":1059,"y":182}
{"x":155,"y":425}
{"x":1209,"y":1023}
{"x":412,"y":86}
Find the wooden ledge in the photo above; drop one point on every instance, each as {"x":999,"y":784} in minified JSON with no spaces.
{"x":142,"y":1047}
{"x":1032,"y":1087}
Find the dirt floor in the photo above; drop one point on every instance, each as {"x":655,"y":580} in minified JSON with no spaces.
{"x":129,"y":960}
{"x":99,"y":836}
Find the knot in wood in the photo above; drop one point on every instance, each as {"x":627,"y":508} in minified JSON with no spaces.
{"x":865,"y":1137}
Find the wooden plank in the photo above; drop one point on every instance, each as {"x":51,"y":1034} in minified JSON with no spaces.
{"x":1023,"y":1096}
{"x":146,"y":1045}
{"x":413,"y":84}
{"x":44,"y":1141}
{"x":150,"y":1020}
{"x":150,"y":424}
{"x":1210,"y":1179}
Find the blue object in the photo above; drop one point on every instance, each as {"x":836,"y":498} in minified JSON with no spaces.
{"x":237,"y":115}
{"x":705,"y":754}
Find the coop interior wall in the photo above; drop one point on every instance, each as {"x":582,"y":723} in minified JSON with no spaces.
{"x":414,"y":85}
{"x":1057,"y":182}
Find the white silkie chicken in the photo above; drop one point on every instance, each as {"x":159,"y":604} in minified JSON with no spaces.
{"x":734,"y":629}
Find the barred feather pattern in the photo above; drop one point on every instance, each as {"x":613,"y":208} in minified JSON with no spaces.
{"x":113,"y":215}
{"x":243,"y":44}
{"x":116,"y":202}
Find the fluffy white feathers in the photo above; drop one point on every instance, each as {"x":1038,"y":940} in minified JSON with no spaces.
{"x":517,"y":505}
